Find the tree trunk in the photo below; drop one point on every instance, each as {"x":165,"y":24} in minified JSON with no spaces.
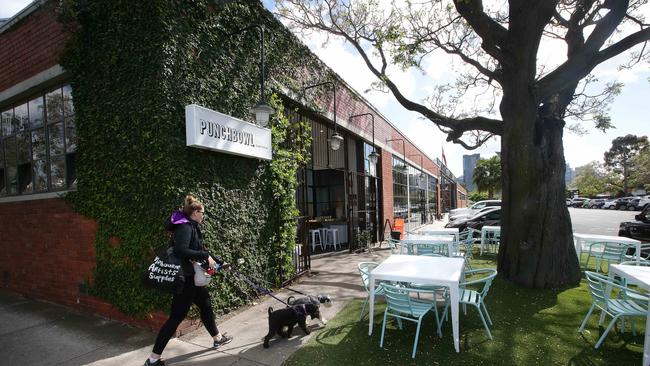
{"x":537,"y":244}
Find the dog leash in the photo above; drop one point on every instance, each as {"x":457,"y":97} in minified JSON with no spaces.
{"x":286,"y":288}
{"x":257,"y":287}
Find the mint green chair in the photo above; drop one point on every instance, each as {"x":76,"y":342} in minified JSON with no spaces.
{"x":476,"y":298}
{"x":364,"y":271}
{"x":401,"y":306}
{"x":612,"y":298}
{"x":606,"y":252}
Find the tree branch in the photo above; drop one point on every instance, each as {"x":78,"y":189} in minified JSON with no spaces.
{"x":492,"y":33}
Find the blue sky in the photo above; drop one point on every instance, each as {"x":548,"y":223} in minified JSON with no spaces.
{"x":629,"y":112}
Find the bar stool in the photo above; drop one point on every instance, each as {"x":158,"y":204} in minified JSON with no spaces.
{"x":324,"y":232}
{"x":335,"y":238}
{"x":315,"y":233}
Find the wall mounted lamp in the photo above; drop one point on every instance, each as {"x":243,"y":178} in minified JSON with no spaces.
{"x":261,"y":110}
{"x":403,"y":151}
{"x":336,"y":139}
{"x":373,"y":157}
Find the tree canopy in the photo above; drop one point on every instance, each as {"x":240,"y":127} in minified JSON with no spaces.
{"x":487,"y":175}
{"x":621,"y":155}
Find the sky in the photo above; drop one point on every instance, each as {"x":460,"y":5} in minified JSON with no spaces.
{"x":629,"y":111}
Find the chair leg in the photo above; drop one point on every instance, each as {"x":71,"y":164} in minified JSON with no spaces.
{"x":417,"y":336}
{"x":487,"y":315}
{"x":487,"y":328}
{"x":363,"y":308}
{"x":383,"y":329}
{"x":435,"y":311}
{"x":399,"y":323}
{"x":602,"y":337}
{"x":584,"y":321}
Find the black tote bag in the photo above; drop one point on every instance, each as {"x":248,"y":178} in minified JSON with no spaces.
{"x":165,"y":273}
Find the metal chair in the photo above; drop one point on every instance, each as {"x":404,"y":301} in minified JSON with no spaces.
{"x":476,"y":298}
{"x":620,"y":306}
{"x":364,"y":271}
{"x":400,"y":305}
{"x":608,"y":252}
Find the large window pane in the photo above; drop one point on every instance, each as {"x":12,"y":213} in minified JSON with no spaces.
{"x":57,"y":172}
{"x":6,"y":119}
{"x":55,"y":133}
{"x":70,"y":135}
{"x":40,"y":175}
{"x":54,"y":106}
{"x":68,"y":107}
{"x":36,"y":112}
{"x":11,"y":173}
{"x":71,"y":169}
{"x":23,"y":150}
{"x":38,"y":144}
{"x":21,"y":117}
{"x":25,"y":184}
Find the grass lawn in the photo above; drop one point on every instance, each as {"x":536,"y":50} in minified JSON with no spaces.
{"x":531,"y":327}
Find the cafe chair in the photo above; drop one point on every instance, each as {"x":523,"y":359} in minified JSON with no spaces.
{"x":606,"y":252}
{"x":395,"y":246}
{"x":401,"y":306}
{"x":364,"y":271}
{"x":476,"y":298}
{"x":613,"y":299}
{"x":316,"y":234}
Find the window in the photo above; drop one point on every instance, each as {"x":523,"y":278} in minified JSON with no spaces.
{"x":400,"y":188}
{"x":38,"y":144}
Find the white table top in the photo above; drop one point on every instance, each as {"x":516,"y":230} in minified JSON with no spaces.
{"x":423,"y":239}
{"x":491,"y":228}
{"x":450,"y":231}
{"x":640,"y":274}
{"x":410,"y":268}
{"x":609,"y":238}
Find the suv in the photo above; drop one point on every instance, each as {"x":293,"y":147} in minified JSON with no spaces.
{"x":609,"y":205}
{"x":577,"y":202}
{"x":644,"y":202}
{"x":621,"y":203}
{"x":635,"y":204}
{"x":596,"y":203}
{"x":487,"y":218}
{"x":638,"y":229}
{"x":473,"y":208}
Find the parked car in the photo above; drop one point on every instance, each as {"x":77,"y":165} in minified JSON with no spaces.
{"x":585,"y":203}
{"x":475,"y":207}
{"x":473,"y":213}
{"x":489,"y":218}
{"x":577,"y":201}
{"x":596,"y":203}
{"x":609,"y":205}
{"x":621,"y":203}
{"x":568,"y":202}
{"x":638,"y":229}
{"x":644,"y":202}
{"x":635,"y":204}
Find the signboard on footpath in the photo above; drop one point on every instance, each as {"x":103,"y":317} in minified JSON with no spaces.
{"x":208,"y":129}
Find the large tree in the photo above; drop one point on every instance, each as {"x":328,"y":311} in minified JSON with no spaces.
{"x":622,"y":153}
{"x":500,"y":45}
{"x":640,"y":176}
{"x":593,"y":179}
{"x":487,"y":175}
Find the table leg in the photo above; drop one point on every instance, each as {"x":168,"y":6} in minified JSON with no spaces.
{"x":646,"y":343}
{"x":482,"y":240}
{"x":371,"y":303}
{"x":453,"y":298}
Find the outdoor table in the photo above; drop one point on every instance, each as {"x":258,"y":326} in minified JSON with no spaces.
{"x":639,"y":275}
{"x":413,"y":239}
{"x":447,"y":231}
{"x":486,"y":230}
{"x":583,"y":239}
{"x":442,"y":271}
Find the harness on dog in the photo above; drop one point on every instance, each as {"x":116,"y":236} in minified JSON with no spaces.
{"x":300,"y":310}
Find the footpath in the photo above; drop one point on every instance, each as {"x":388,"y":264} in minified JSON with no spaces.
{"x":40,"y":333}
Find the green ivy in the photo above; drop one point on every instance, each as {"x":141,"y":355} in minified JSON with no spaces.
{"x":134,"y":66}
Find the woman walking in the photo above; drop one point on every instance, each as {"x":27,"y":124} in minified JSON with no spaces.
{"x":188,"y":246}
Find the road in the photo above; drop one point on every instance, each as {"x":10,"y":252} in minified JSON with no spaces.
{"x":597,"y":221}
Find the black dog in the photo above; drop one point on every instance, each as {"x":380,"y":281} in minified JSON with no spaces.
{"x":289,"y":317}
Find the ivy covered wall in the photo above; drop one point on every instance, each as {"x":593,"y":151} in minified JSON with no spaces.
{"x":134,"y":66}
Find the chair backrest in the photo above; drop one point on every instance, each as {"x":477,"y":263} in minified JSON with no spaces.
{"x":469,"y":235}
{"x":487,"y":275}
{"x":608,"y":249}
{"x":395,"y":246}
{"x":364,"y":271}
{"x":430,"y":248}
{"x":397,"y":299}
{"x":598,"y":287}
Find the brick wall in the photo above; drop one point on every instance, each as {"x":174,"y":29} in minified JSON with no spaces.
{"x":47,"y":252}
{"x":31,"y":46}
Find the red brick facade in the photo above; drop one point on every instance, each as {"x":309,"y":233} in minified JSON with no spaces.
{"x":31,"y":46}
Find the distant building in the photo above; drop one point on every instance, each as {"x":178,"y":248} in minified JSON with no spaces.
{"x":469,"y":163}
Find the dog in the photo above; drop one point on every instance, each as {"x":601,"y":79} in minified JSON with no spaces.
{"x":325,"y":300}
{"x":289,"y":317}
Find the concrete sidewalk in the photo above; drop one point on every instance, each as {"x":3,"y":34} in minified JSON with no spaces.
{"x":39,"y":333}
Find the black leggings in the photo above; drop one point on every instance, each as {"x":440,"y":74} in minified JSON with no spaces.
{"x":180,"y":306}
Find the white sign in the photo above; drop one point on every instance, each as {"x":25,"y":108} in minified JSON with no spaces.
{"x":208,"y":129}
